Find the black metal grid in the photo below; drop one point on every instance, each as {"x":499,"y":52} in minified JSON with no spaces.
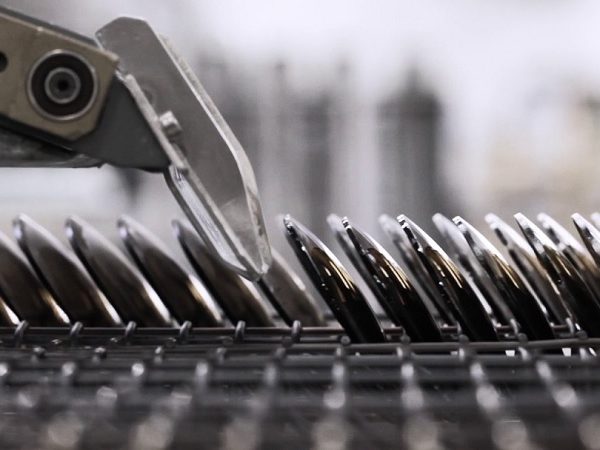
{"x":300,"y":387}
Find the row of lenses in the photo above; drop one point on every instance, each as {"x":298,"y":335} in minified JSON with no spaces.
{"x":96,"y":283}
{"x":549,"y":286}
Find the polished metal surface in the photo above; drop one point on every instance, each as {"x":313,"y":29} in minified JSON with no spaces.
{"x":118,"y":292}
{"x":415,"y":268}
{"x":525,"y":261}
{"x":467,"y":260}
{"x":530,"y":314}
{"x":8,"y":318}
{"x":288,"y":294}
{"x":63,"y":275}
{"x":183,"y":294}
{"x":590,"y":235}
{"x":337,"y":288}
{"x":574,"y":251}
{"x":239,"y":299}
{"x":120,"y":281}
{"x":347,"y":246}
{"x":571,"y":285}
{"x":454,"y":289}
{"x":22,"y":290}
{"x":389,"y":284}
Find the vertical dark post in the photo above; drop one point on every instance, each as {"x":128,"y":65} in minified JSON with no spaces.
{"x":316,"y":138}
{"x":409,"y":126}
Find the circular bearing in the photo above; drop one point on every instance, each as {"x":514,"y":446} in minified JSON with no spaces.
{"x":62,"y":85}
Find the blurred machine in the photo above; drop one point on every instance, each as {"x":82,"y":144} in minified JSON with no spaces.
{"x":125,"y":348}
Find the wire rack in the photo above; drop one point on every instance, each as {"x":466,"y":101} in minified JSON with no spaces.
{"x":79,"y":387}
{"x":237,"y":378}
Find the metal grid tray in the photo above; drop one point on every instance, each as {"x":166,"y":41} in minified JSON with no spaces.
{"x":300,"y":387}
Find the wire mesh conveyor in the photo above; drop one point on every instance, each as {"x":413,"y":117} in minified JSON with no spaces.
{"x":468,"y":351}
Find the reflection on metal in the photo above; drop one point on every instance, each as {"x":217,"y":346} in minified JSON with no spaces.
{"x":529,"y":313}
{"x":182,"y":292}
{"x":124,"y":286}
{"x":239,"y":299}
{"x":347,"y":303}
{"x":525,"y":261}
{"x":288,"y":294}
{"x":22,"y":290}
{"x":388,"y":282}
{"x":454,"y":288}
{"x":63,"y":275}
{"x":468,"y":261}
{"x":427,"y":299}
{"x":574,"y":291}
